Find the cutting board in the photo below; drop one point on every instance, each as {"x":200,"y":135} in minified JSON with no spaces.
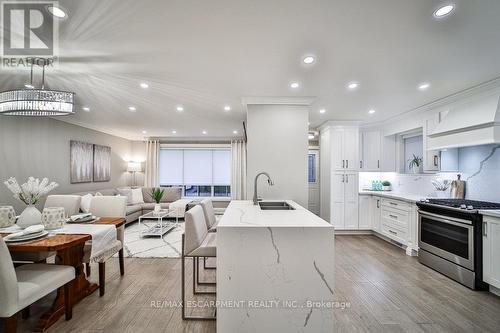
{"x":457,"y":189}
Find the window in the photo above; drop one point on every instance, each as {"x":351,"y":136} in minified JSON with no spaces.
{"x":311,"y":164}
{"x":200,"y":172}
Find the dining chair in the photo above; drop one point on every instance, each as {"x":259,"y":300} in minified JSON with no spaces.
{"x":107,"y":206}
{"x":196,"y":242}
{"x":22,"y":286}
{"x":71,"y":205}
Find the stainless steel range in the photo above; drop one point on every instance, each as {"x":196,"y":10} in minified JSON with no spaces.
{"x":450,"y":238}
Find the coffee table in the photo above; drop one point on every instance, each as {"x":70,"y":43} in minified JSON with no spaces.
{"x":157,"y":223}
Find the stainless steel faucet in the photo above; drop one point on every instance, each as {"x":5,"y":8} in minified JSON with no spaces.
{"x":269,"y":181}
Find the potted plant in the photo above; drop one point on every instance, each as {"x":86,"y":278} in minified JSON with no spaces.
{"x":157,"y":194}
{"x":415,"y":163}
{"x":386,"y":185}
{"x":30,"y":193}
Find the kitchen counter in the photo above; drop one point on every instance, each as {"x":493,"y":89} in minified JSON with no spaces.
{"x":408,"y":197}
{"x":493,"y":213}
{"x":272,"y":265}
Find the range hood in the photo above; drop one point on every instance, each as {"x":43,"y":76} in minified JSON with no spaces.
{"x":472,"y":123}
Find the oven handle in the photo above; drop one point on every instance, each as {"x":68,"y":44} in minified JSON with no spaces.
{"x":447,"y":219}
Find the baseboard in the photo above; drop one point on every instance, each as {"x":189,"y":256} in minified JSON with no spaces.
{"x":353,"y":232}
{"x":494,"y":290}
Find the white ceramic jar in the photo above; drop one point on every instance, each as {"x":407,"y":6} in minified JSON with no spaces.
{"x":7,"y":216}
{"x":53,"y":217}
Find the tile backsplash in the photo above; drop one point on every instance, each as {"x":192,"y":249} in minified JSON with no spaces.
{"x":479,"y":167}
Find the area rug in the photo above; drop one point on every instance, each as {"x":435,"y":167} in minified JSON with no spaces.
{"x":137,"y":246}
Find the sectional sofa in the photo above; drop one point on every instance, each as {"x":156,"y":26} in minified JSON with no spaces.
{"x":170,"y":195}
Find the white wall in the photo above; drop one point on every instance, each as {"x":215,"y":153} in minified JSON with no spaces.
{"x":278,"y":144}
{"x":39,"y":147}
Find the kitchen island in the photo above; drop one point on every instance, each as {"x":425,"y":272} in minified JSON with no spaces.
{"x":275,"y":270}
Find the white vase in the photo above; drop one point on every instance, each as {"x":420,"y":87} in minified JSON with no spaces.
{"x":30,"y":216}
{"x":157,"y":208}
{"x":416,"y":169}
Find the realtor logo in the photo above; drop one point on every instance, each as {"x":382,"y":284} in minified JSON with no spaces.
{"x":29,"y":30}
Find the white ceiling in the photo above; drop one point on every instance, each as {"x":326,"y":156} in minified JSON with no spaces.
{"x":206,"y":54}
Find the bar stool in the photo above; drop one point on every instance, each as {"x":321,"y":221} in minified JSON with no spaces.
{"x":212,"y":221}
{"x":196,"y":242}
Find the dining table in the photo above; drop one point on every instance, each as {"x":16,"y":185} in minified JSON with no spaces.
{"x":69,"y":251}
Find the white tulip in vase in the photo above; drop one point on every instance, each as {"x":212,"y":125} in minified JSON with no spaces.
{"x":30,"y":193}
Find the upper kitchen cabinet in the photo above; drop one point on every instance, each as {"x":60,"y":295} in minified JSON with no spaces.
{"x":431,"y":158}
{"x":378,"y":152}
{"x":345,"y":148}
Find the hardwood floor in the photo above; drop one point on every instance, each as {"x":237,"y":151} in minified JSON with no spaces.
{"x":387,"y":292}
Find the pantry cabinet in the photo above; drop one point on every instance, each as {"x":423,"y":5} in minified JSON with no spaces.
{"x":344,"y":195}
{"x":345,"y":148}
{"x":491,"y":251}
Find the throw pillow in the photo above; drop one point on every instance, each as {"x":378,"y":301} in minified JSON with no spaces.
{"x":136,"y":196}
{"x":126,"y":192}
{"x":98,"y":194}
{"x":85,"y":203}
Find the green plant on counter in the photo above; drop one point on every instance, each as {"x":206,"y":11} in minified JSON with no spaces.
{"x":386,"y":183}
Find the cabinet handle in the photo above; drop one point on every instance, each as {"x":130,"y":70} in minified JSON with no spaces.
{"x":343,"y":180}
{"x":378,"y":164}
{"x":361,"y":164}
{"x":392,"y":232}
{"x":378,"y":203}
{"x":435,"y":160}
{"x":343,"y":164}
{"x":393,"y":216}
{"x":347,"y":164}
{"x":393,"y":203}
{"x":485,"y":229}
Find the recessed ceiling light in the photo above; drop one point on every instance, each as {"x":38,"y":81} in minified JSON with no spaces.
{"x":174,"y":132}
{"x":144,"y":85}
{"x":56,"y":11}
{"x":311,"y":136}
{"x":371,"y":111}
{"x":353,"y":85}
{"x":86,"y":109}
{"x":443,"y":11}
{"x":294,"y":85}
{"x":227,"y":108}
{"x":144,"y":132}
{"x":235,"y":132}
{"x":322,"y":111}
{"x":424,"y":86}
{"x":203,"y":132}
{"x":132,"y":108}
{"x":29,"y":86}
{"x":179,"y":108}
{"x":308,"y":60}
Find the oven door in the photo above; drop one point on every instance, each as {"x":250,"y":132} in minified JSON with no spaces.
{"x":448,"y":237}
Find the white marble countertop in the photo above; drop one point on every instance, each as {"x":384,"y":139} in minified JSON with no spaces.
{"x":494,"y":213}
{"x":408,"y":197}
{"x":243,"y":213}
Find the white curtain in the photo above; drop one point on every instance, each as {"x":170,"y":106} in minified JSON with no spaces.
{"x":152,"y":163}
{"x":238,"y":169}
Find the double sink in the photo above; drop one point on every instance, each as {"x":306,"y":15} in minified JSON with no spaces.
{"x":275,"y":205}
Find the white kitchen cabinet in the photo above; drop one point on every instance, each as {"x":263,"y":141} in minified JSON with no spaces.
{"x":378,"y":152}
{"x":344,"y":194}
{"x":431,"y":158}
{"x":491,"y":251}
{"x":345,"y":148}
{"x":365,"y":212}
{"x":376,"y":205}
{"x":371,"y":150}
